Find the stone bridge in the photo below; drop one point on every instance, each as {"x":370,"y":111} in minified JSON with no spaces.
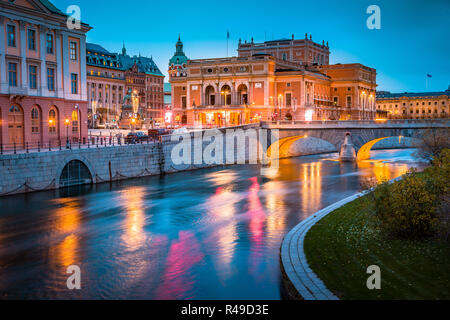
{"x":47,"y":169}
{"x":361,"y":135}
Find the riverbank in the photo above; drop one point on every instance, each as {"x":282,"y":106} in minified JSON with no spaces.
{"x":341,"y":247}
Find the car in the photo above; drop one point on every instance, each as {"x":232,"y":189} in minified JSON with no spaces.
{"x":135,"y":137}
{"x":156,"y":133}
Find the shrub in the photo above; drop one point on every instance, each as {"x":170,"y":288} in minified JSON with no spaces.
{"x":407,"y":208}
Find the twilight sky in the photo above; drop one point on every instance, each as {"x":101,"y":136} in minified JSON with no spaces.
{"x":414,"y":39}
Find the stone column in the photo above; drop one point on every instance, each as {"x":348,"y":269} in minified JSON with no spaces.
{"x":65,"y":64}
{"x":59,"y":76}
{"x":83,"y":74}
{"x":3,"y":71}
{"x":42,"y":52}
{"x":23,"y":54}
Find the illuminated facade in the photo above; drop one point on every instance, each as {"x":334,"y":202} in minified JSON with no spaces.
{"x":259,"y":86}
{"x":424,"y":105}
{"x":112,"y":76}
{"x":42,"y":75}
{"x":106,"y":86}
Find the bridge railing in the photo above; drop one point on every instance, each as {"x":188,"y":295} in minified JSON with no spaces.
{"x":84,"y":143}
{"x":344,"y":122}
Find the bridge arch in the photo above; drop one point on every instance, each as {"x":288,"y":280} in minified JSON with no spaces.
{"x":74,"y":170}
{"x":308,"y":145}
{"x":364,"y":151}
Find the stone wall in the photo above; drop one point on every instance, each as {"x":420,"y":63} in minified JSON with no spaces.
{"x":35,"y":171}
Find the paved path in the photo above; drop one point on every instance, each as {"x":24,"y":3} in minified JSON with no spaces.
{"x":293,"y":258}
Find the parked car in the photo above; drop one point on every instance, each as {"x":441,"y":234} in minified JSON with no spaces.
{"x":135,"y":137}
{"x":156,"y":133}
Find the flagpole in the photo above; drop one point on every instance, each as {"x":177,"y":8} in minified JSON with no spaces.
{"x":228,"y":36}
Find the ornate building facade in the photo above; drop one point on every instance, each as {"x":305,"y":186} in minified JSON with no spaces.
{"x":267,"y":84}
{"x":43,"y":90}
{"x":423,"y":105}
{"x":106,"y":86}
{"x":112,"y":77}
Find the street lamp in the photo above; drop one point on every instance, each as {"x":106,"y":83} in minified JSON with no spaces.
{"x":133,"y":122}
{"x":225,"y":93}
{"x":280,"y":102}
{"x":67,"y":122}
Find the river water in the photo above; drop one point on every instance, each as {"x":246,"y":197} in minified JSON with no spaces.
{"x":206,"y":234}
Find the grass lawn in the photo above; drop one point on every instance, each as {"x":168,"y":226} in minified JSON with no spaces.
{"x":342,"y":245}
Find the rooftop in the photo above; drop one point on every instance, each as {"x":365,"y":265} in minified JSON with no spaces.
{"x":388,"y":95}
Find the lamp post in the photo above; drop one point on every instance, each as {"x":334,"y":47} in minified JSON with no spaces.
{"x":133,"y":123}
{"x":224,"y":94}
{"x":67,"y":122}
{"x":363,"y":100}
{"x":280,"y":102}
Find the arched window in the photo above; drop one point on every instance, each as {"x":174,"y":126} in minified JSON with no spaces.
{"x":35,"y":120}
{"x":52,"y":120}
{"x":225,"y":92}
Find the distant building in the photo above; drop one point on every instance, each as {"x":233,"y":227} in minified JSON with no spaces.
{"x":303,"y":51}
{"x":106,"y":86}
{"x":265,"y":84}
{"x":42,"y":75}
{"x":112,"y":77}
{"x":423,"y":105}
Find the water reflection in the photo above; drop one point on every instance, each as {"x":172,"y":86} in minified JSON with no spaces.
{"x":381,"y":170}
{"x":311,"y":187}
{"x":208,"y":234}
{"x":133,"y":203}
{"x":67,"y":221}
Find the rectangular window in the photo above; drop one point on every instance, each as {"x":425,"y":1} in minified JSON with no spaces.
{"x":183,"y":102}
{"x":32,"y":72}
{"x":49,"y":44}
{"x":11,"y":36}
{"x":31,"y":39}
{"x":12,"y":73}
{"x":335,"y":101}
{"x":73,"y":50}
{"x":51,"y":79}
{"x":349,"y":101}
{"x":74,"y":82}
{"x":288,"y":99}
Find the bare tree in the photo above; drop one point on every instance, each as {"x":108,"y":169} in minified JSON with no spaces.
{"x":433,"y":141}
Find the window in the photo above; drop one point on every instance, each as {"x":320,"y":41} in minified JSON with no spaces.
{"x":32,"y":72}
{"x":12,"y":72}
{"x":35,"y":120}
{"x":52,"y":121}
{"x":51,"y":79}
{"x":288,"y":99}
{"x":335,"y":101}
{"x":11,"y":36}
{"x":31,"y":39}
{"x":49,"y":43}
{"x":284,"y":56}
{"x":73,"y":50}
{"x":183,"y":102}
{"x":349,"y":101}
{"x":74,"y":121}
{"x":74,"y":82}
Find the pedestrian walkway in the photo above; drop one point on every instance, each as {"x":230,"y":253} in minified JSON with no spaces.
{"x":293,"y":257}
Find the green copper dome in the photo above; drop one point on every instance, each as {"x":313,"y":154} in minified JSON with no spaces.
{"x":179,"y":58}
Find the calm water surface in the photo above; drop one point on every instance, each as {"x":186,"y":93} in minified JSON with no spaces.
{"x":206,"y":234}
